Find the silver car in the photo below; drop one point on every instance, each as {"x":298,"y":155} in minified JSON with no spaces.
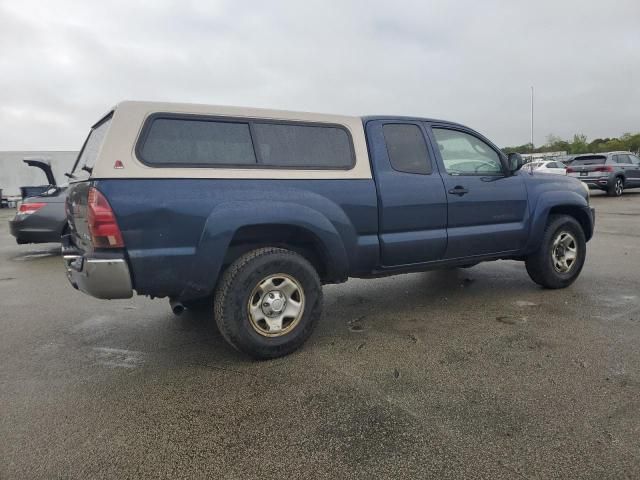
{"x":612,"y":172}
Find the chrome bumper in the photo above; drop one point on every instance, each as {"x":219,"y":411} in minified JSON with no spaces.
{"x":105,"y":277}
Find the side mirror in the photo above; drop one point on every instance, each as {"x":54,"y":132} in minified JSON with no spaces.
{"x":515,"y":162}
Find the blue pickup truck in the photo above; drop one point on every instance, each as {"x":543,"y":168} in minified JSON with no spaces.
{"x":249,"y":212}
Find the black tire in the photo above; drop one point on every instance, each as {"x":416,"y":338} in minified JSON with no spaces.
{"x":540,"y":265}
{"x":617,"y":188}
{"x":237,"y":288}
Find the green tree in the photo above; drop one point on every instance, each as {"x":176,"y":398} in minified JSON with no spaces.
{"x":556,"y":144}
{"x":579,"y":144}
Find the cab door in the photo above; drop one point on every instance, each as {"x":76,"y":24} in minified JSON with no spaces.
{"x":487,"y":206}
{"x":412,"y":203}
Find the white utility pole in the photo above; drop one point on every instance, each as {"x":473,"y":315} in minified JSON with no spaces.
{"x":531,"y":118}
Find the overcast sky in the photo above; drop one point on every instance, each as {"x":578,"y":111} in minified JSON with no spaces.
{"x":64,"y":63}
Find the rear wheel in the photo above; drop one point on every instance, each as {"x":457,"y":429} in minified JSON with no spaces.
{"x":561,"y":255}
{"x":268,"y":302}
{"x":617,"y":188}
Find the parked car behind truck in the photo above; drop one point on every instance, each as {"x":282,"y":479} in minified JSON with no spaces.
{"x":547,"y":166}
{"x":256,"y":209}
{"x":41,"y":217}
{"x":612,"y":172}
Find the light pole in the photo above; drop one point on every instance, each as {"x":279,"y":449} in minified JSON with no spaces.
{"x":531,"y":120}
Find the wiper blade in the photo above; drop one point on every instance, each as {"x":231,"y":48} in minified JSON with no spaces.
{"x":87,"y":169}
{"x":70,"y":175}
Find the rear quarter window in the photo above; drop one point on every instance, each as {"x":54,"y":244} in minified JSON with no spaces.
{"x":407,"y":148}
{"x":204,"y":142}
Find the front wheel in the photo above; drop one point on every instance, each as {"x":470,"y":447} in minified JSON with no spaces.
{"x":561,"y":255}
{"x":268,"y":302}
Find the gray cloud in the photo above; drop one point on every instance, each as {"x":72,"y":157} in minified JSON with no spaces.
{"x":65,"y":63}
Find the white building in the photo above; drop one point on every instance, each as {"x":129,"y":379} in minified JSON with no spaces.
{"x":15,"y":174}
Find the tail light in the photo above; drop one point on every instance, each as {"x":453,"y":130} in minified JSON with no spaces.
{"x":103,"y":226}
{"x":570,"y":170}
{"x":29,"y":208}
{"x":606,"y":168}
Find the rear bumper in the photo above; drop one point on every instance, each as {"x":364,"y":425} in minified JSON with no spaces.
{"x":601,"y":182}
{"x":104,"y":276}
{"x":26,"y":234}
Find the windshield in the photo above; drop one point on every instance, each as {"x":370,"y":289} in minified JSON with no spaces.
{"x":91,"y":148}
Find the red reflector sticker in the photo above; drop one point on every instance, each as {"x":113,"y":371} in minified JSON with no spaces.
{"x":118,"y":165}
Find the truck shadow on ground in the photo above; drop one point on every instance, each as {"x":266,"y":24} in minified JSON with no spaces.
{"x":410,"y":303}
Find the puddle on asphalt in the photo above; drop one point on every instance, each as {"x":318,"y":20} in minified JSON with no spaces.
{"x":117,"y":357}
{"x":620,"y":300}
{"x":34,"y":255}
{"x":525,"y":303}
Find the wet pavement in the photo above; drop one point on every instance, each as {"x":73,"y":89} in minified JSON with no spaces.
{"x":474,"y":373}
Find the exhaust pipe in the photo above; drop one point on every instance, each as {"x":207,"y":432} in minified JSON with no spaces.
{"x":176,"y":307}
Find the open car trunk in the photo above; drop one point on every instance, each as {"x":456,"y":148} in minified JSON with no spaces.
{"x":45,"y":166}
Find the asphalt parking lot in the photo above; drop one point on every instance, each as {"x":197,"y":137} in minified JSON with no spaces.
{"x":472,"y":373}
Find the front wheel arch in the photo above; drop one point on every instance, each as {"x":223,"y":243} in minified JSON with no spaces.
{"x":579,"y":213}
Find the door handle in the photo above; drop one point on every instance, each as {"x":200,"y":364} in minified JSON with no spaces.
{"x":458,"y":190}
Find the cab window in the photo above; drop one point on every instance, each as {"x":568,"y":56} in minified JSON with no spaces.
{"x":465,"y":154}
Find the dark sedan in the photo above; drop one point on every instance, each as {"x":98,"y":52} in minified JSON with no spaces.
{"x":40,"y":218}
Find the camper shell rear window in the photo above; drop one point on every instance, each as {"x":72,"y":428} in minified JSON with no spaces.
{"x":200,"y":141}
{"x":89,"y":152}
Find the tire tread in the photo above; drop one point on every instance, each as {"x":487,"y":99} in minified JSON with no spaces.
{"x":537,"y":264}
{"x":226,"y":286}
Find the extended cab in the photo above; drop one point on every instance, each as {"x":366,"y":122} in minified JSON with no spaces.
{"x":256,"y":209}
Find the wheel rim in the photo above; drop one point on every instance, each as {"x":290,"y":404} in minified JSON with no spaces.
{"x":619,"y":187}
{"x":276,"y":305}
{"x":564,"y":252}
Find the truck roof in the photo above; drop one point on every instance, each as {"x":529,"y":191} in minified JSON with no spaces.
{"x":265,"y":112}
{"x":228,"y":110}
{"x":406,"y":118}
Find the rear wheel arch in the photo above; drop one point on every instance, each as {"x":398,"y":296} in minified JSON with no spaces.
{"x":234,"y":228}
{"x":291,"y":237}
